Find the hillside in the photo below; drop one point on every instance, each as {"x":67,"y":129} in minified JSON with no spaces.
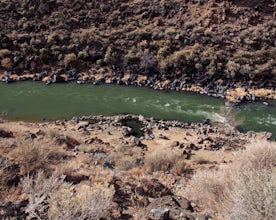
{"x":209,"y":46}
{"x":97,"y":169}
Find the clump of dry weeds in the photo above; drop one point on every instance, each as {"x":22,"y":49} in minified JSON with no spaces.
{"x":165,"y":160}
{"x":246,"y":190}
{"x":52,"y":198}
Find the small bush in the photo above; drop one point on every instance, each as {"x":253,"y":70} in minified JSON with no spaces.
{"x":88,"y":203}
{"x":207,"y":189}
{"x":4,"y":53}
{"x":253,"y":196}
{"x":128,"y":162}
{"x":38,"y":189}
{"x":52,"y":198}
{"x":69,"y":58}
{"x":31,"y":157}
{"x":83,"y":55}
{"x":162,"y":160}
{"x":6,"y":63}
{"x":258,"y":155}
{"x":246,"y":190}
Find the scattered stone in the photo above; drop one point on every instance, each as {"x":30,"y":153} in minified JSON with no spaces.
{"x":6,"y":134}
{"x":40,"y":132}
{"x":69,"y":141}
{"x":187,"y":153}
{"x":75,"y":179}
{"x":160,"y":213}
{"x":13,"y":210}
{"x":161,"y":136}
{"x":82,"y":124}
{"x":175,"y":144}
{"x":127,"y":131}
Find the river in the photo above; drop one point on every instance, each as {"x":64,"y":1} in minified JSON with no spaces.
{"x":35,"y":101}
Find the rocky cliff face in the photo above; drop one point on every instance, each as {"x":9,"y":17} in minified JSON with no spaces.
{"x":209,"y":43}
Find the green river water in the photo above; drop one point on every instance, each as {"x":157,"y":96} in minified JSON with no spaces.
{"x":33,"y":101}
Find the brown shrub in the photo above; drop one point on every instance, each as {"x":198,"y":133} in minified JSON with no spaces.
{"x":246,"y":190}
{"x":258,"y":155}
{"x":52,"y":198}
{"x":86,"y":203}
{"x":128,"y":162}
{"x":207,"y":189}
{"x":4,"y":53}
{"x":31,"y":157}
{"x":38,"y":188}
{"x":6,"y":63}
{"x":69,"y":58}
{"x":163,"y":160}
{"x":253,"y":196}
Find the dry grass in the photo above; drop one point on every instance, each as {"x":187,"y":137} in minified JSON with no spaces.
{"x":69,"y":58}
{"x":163,"y":160}
{"x":38,"y":189}
{"x":246,"y":190}
{"x":51,"y":198}
{"x":253,"y":196}
{"x":258,"y":155}
{"x":86,"y":203}
{"x":31,"y":156}
{"x":128,"y":162}
{"x":126,"y":158}
{"x":4,"y":53}
{"x":6,"y":63}
{"x":207,"y":189}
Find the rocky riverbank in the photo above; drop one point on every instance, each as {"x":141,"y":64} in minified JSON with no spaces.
{"x":140,"y":175}
{"x":232,"y":94}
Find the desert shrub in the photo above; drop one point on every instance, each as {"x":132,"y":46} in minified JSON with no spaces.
{"x":148,"y":62}
{"x":180,"y":167}
{"x":162,"y":160}
{"x":31,"y":157}
{"x":258,"y":155}
{"x":207,"y":189}
{"x":125,"y":157}
{"x":43,"y":55}
{"x":128,"y":162}
{"x":162,"y":52}
{"x":4,"y":53}
{"x":6,"y":63}
{"x":52,"y":198}
{"x":253,"y":196}
{"x":54,"y":134}
{"x":182,"y":58}
{"x":246,"y":190}
{"x":69,"y":58}
{"x":87,"y":203}
{"x":53,"y":37}
{"x":38,"y":188}
{"x":82,"y":55}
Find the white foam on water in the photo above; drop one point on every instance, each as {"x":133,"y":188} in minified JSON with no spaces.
{"x":269,"y":120}
{"x":178,"y":108}
{"x":4,"y":113}
{"x":218,"y":118}
{"x":167,"y":105}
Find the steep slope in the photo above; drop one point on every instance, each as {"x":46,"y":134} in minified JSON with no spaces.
{"x":174,"y":44}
